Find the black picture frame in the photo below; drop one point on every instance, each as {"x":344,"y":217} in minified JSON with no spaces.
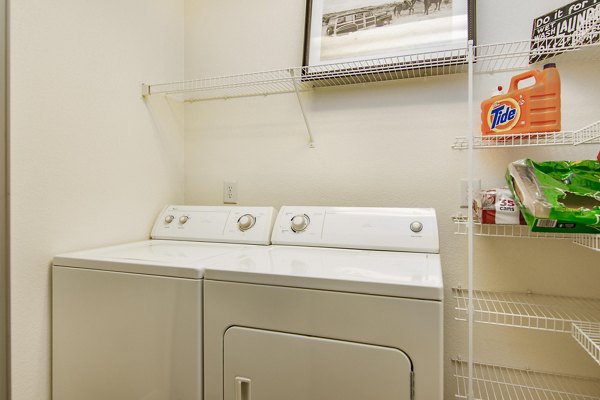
{"x":374,"y":14}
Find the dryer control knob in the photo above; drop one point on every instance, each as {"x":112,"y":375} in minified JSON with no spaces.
{"x":183,"y":219}
{"x":299,"y":222}
{"x":246,"y":222}
{"x":416,"y":227}
{"x":169,"y":219}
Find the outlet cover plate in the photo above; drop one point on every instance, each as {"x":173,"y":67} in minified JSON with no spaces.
{"x":230,"y":193}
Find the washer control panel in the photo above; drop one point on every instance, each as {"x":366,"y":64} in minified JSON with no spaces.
{"x":226,"y":224}
{"x":371,"y":228}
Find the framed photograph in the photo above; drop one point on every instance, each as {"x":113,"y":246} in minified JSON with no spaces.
{"x":346,"y":31}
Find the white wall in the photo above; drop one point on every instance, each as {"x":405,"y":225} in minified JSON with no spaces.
{"x":383,"y":145}
{"x":91,"y":163}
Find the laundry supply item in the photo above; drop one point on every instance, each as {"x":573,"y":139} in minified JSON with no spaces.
{"x":531,"y":109}
{"x":497,"y":206}
{"x":497,"y":91}
{"x":557,"y":196}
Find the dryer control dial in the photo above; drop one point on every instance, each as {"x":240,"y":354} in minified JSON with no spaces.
{"x":416,"y":226}
{"x":169,"y":218}
{"x":183,"y":219}
{"x":299,"y":222}
{"x":246,"y":222}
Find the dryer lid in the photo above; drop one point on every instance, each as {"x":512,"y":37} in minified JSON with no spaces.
{"x":398,"y":274}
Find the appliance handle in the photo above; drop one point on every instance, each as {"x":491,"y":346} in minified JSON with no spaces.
{"x":242,"y":388}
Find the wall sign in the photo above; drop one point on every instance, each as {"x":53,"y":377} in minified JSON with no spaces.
{"x":560,"y":28}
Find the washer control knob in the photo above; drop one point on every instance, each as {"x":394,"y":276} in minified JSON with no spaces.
{"x":169,"y":219}
{"x":183,"y":219}
{"x":416,"y":226}
{"x":299,"y":222}
{"x":246,"y":222}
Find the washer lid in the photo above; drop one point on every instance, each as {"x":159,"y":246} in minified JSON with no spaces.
{"x":150,"y":257}
{"x":398,"y":274}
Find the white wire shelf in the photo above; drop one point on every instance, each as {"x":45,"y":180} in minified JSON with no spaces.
{"x":588,"y":336}
{"x":491,"y":382}
{"x":302,"y":79}
{"x":578,"y":47}
{"x":590,"y":241}
{"x":587,"y":135}
{"x":487,"y":58}
{"x":527,"y":310}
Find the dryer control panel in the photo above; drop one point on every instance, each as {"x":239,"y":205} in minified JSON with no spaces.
{"x":370,"y":228}
{"x":225,"y":224}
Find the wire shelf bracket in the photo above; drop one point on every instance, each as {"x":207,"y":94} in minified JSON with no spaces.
{"x":311,"y":142}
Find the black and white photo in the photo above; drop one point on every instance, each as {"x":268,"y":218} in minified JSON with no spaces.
{"x":353,"y":30}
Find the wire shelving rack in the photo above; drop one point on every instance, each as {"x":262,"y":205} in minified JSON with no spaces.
{"x":528,"y":310}
{"x":575,"y":315}
{"x":488,"y":58}
{"x":589,"y":241}
{"x":586,"y":135}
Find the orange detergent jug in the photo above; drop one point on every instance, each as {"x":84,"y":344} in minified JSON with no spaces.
{"x":534,"y":108}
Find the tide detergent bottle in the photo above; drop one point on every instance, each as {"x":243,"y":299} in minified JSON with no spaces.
{"x":535,"y":108}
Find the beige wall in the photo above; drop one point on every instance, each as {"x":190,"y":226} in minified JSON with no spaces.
{"x":91,"y":163}
{"x":384,"y":145}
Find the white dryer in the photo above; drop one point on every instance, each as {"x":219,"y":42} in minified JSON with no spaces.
{"x":127,"y":319}
{"x":347,"y":304}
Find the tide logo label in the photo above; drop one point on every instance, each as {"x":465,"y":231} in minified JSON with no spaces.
{"x":504,"y":115}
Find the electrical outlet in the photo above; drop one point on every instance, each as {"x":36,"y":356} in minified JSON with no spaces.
{"x":230,"y":193}
{"x":464,"y":191}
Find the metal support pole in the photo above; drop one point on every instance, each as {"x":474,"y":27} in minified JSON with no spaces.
{"x":470,"y":166}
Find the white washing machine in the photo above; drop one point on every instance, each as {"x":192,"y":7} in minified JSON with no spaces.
{"x":127,"y":319}
{"x":347,"y":304}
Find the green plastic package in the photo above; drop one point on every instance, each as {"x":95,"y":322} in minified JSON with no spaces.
{"x":557,"y":196}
